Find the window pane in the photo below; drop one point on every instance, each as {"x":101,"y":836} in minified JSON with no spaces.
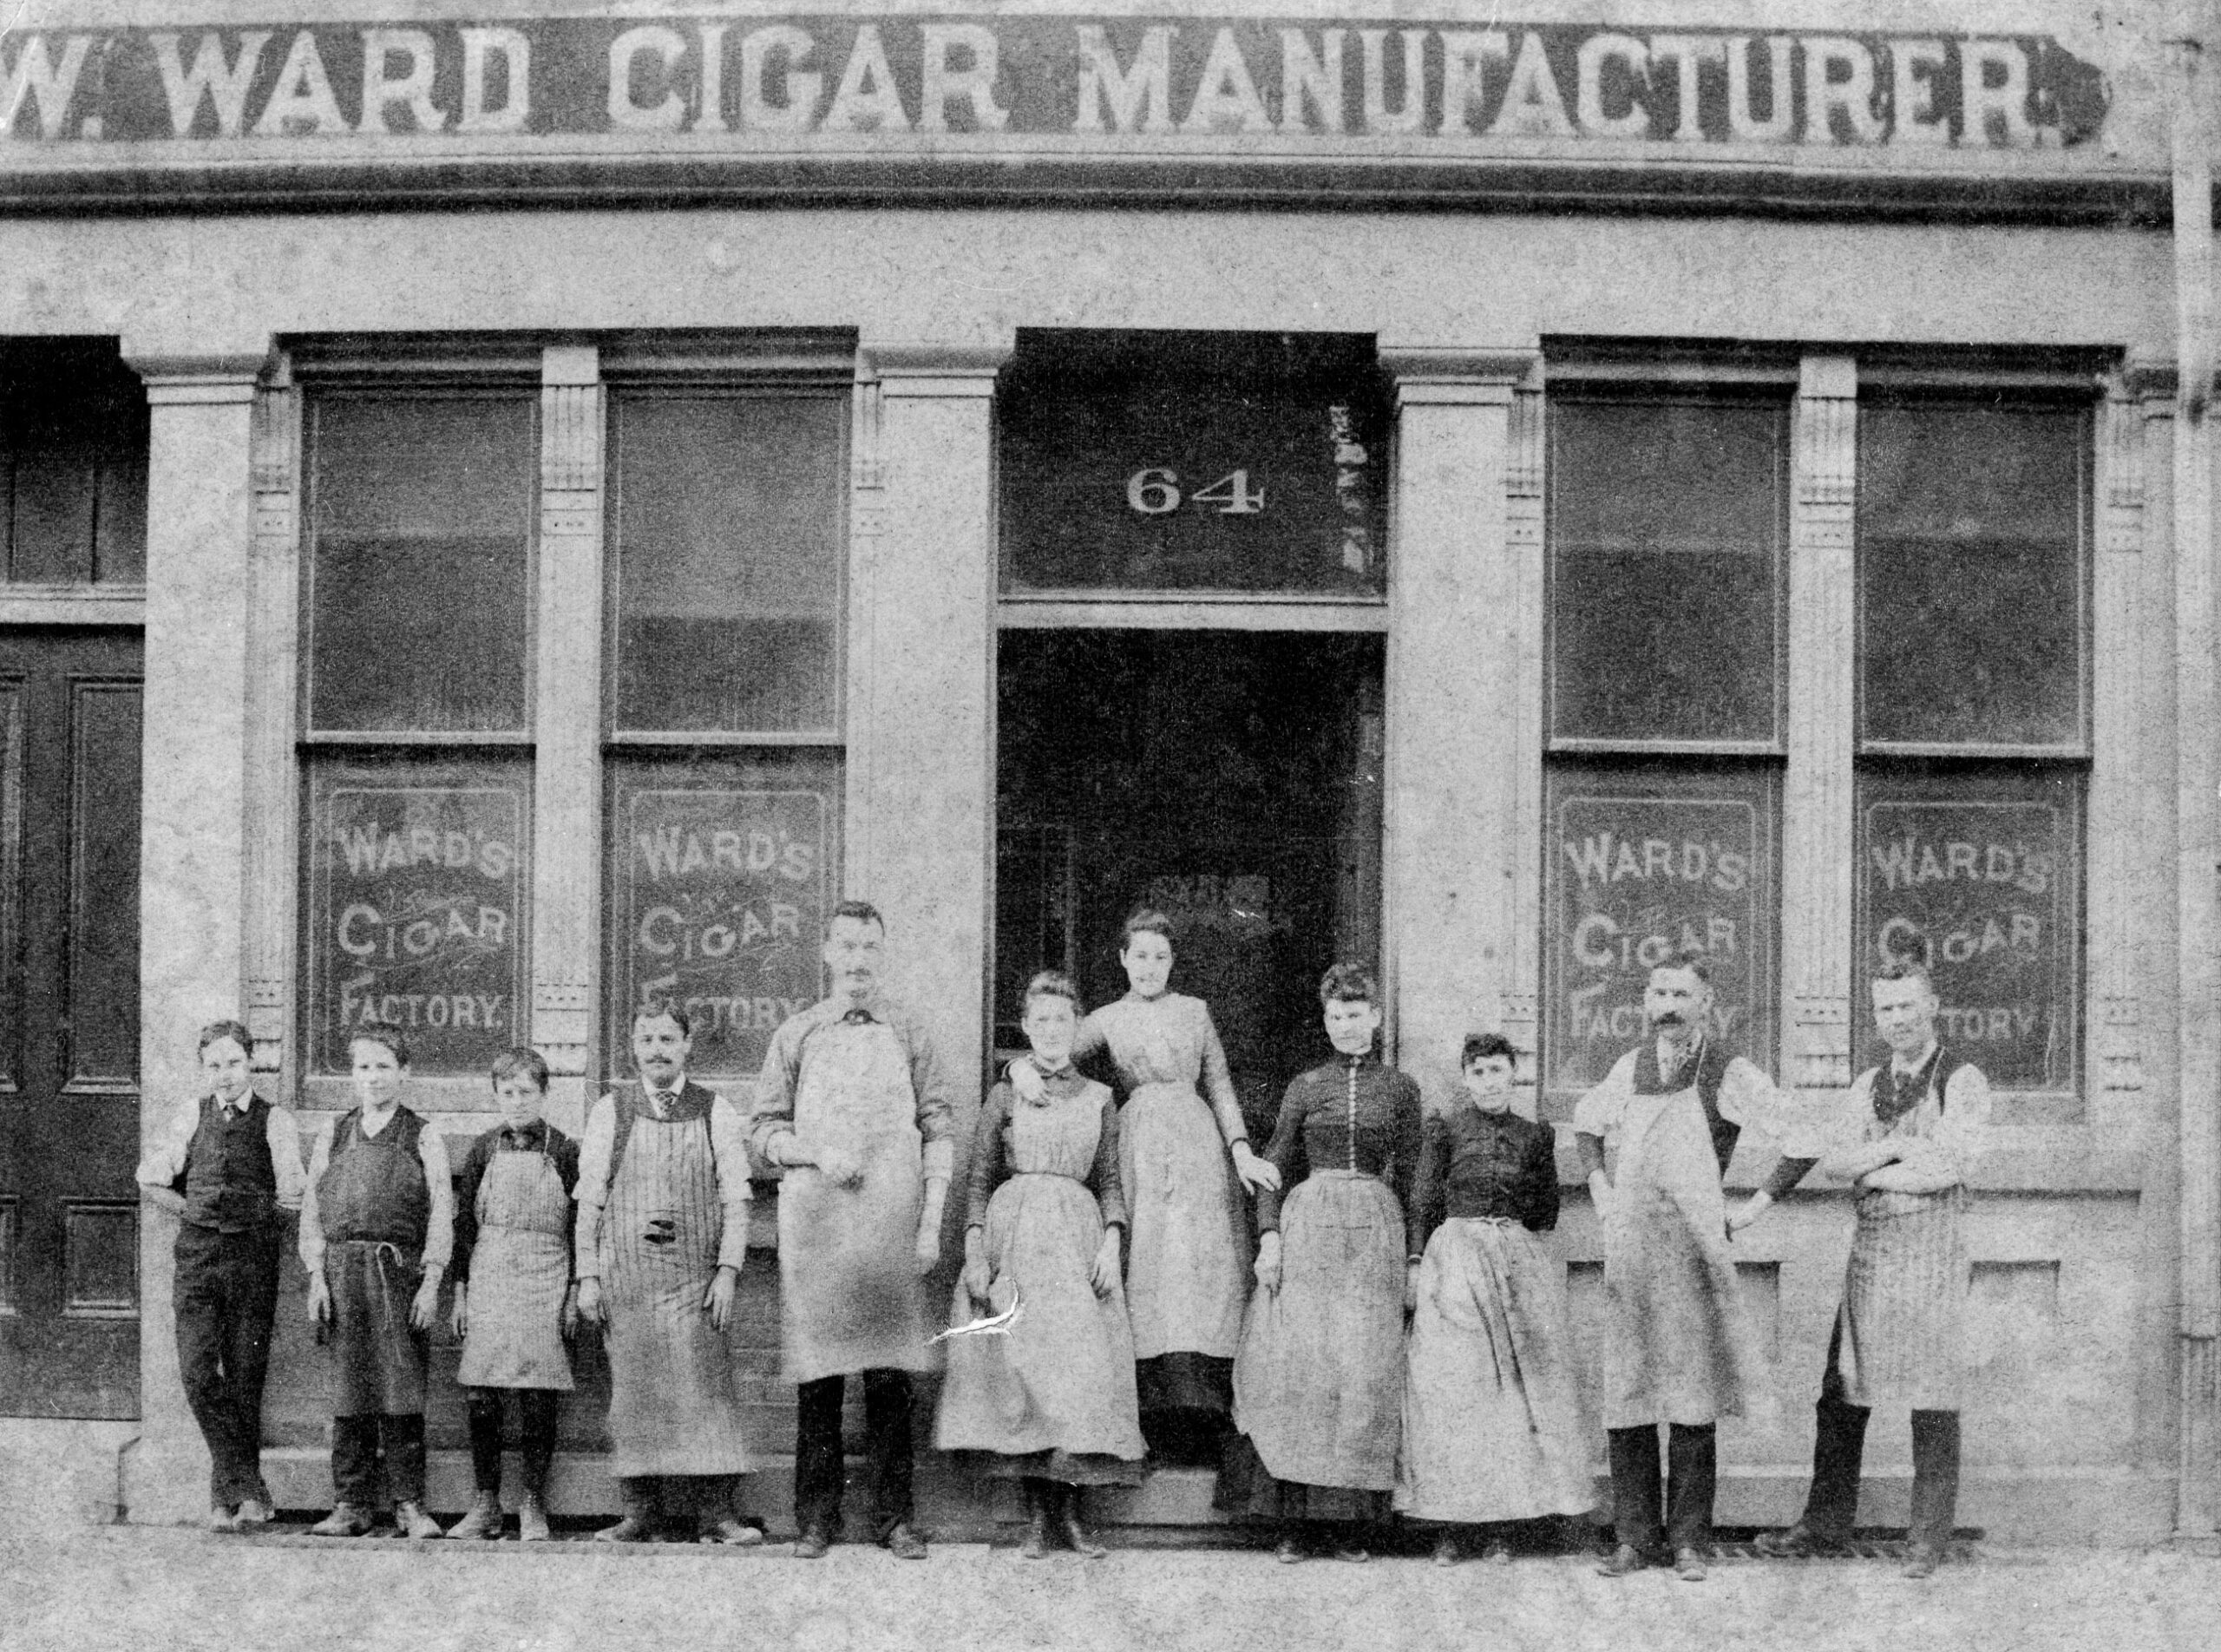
{"x":416,"y":909}
{"x":1643,"y":861}
{"x":73,"y":465}
{"x":1970,"y":575}
{"x":1979,"y":876}
{"x":728,"y":561}
{"x":421,"y":577}
{"x":1194,"y":462}
{"x":1665,"y":529}
{"x":721,"y":871}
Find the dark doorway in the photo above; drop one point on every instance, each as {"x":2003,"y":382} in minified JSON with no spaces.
{"x":70,"y":737}
{"x":1233,"y":779}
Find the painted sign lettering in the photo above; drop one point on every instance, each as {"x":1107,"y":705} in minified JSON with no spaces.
{"x":415,"y":922}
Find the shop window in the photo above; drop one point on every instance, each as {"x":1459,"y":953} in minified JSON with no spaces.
{"x":417,"y":689}
{"x":73,"y":465}
{"x":1973,"y":755}
{"x":1668,"y":518}
{"x":1197,"y":463}
{"x":724,"y":775}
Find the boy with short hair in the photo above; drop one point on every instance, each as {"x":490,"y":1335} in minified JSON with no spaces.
{"x":515,"y":1305}
{"x":377,"y":1226}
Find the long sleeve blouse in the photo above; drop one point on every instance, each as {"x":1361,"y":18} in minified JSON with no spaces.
{"x":994,"y":1161}
{"x":1352,"y":1113}
{"x":1474,"y":1163}
{"x":1166,"y":1039}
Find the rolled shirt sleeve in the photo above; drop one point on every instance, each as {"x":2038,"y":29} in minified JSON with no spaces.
{"x":164,"y":1159}
{"x":439,"y":1226}
{"x":1945,"y":1157}
{"x":1748,"y":1098}
{"x":728,"y":1146}
{"x":1601,"y":1108}
{"x":591,"y":1190}
{"x":311,"y":1239}
{"x":285,"y":1138}
{"x":935,"y":1089}
{"x":771,"y":1110}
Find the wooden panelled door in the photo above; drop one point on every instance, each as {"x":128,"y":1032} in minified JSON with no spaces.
{"x":70,"y":732}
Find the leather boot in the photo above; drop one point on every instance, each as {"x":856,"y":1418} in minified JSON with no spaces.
{"x":639,"y":1523}
{"x":532,"y":1518}
{"x":1075,"y":1533}
{"x":410,"y":1521}
{"x":482,"y":1521}
{"x":254,"y":1514}
{"x":345,"y":1520}
{"x":221,"y":1518}
{"x":1037,"y":1522}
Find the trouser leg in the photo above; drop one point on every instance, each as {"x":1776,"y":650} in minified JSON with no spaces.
{"x":1839,"y":1450}
{"x":246,"y":1358}
{"x":201,"y":1312}
{"x":355,"y":1460}
{"x":403,"y":1439}
{"x":1935,"y":1475}
{"x":1637,"y":1512}
{"x":1692,"y":1475}
{"x":537,"y":1409}
{"x":636,"y":1496}
{"x":484,"y":1408}
{"x":819,"y":1472}
{"x":887,"y":1420}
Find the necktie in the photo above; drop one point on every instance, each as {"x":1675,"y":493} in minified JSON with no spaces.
{"x":662,"y":1101}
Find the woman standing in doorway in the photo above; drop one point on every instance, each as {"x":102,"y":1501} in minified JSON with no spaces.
{"x":1179,"y":1156}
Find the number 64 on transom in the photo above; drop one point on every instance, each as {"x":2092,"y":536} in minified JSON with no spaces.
{"x":1156,"y":492}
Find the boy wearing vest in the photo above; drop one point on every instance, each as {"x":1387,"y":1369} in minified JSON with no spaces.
{"x":663,"y":1197}
{"x":515,"y":1306}
{"x":1679,"y":1349}
{"x":376,"y":1226}
{"x":1904,"y":1137}
{"x":230,"y":1168}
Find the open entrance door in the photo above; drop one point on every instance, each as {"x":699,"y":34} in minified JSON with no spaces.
{"x":1231,"y":779}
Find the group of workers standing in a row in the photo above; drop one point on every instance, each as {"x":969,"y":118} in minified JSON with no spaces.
{"x":1397,"y":1337}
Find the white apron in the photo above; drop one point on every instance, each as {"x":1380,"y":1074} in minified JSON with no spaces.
{"x":1678,"y":1346}
{"x":520,"y":1273}
{"x":1187,"y":1275}
{"x":849,"y":1280}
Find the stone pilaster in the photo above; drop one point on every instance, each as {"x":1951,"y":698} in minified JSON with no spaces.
{"x":1519,"y":996}
{"x":2119,"y":850}
{"x":273,"y":652}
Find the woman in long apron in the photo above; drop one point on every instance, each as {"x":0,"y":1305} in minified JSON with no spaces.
{"x":1187,"y":1272}
{"x":1052,"y":1401}
{"x":1318,"y":1389}
{"x":1492,"y":1430}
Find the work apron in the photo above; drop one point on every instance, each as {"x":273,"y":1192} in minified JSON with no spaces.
{"x":378,"y":1366}
{"x":1187,"y":1275}
{"x":673,"y":1407}
{"x":520,"y":1273}
{"x":1678,"y":1346}
{"x":1903,"y":1324}
{"x":847,"y":1256}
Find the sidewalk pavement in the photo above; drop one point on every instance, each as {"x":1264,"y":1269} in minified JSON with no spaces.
{"x":133,"y":1587}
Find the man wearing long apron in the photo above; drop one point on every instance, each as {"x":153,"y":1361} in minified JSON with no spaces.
{"x":856,"y":1103}
{"x":1904,"y":1137}
{"x":663,"y":1198}
{"x":1678,"y":1346}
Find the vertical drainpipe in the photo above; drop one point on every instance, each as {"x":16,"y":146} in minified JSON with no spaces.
{"x":2198,"y":771}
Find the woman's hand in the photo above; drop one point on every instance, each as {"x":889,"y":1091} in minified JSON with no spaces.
{"x":459,"y":1318}
{"x":590,"y":1308}
{"x":1268,"y":1262}
{"x":979,"y":1278}
{"x":1106,"y":1279}
{"x":319,"y":1298}
{"x":1257,"y":1174}
{"x":425,"y":1308}
{"x":1410,"y":1288}
{"x":570,"y":1318}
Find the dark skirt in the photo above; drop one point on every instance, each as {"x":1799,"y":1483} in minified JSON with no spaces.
{"x":1248,"y":1490}
{"x":1185,"y":1382}
{"x":1067,"y":1468}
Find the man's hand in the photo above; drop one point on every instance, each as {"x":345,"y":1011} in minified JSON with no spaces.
{"x":1105,"y":1277}
{"x":840,"y":1166}
{"x":1602,"y":1196}
{"x":1410,"y":1288}
{"x":718,"y":1300}
{"x":1257,"y":1174}
{"x":425,"y":1308}
{"x":1750,"y":1211}
{"x":589,"y":1297}
{"x":319,"y":1298}
{"x":1268,"y":1262}
{"x":1026,"y":1081}
{"x":928,"y":1247}
{"x":570,"y":1320}
{"x":459,"y":1318}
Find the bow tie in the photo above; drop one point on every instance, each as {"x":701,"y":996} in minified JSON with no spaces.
{"x":857,"y":1017}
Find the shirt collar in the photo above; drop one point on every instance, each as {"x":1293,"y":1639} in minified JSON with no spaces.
{"x":245,"y":1101}
{"x":530,"y":1135}
{"x":872,"y":1009}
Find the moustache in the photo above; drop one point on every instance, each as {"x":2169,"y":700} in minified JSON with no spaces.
{"x":1671,"y":1017}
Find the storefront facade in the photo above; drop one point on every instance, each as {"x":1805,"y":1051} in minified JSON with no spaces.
{"x":1499,"y":499}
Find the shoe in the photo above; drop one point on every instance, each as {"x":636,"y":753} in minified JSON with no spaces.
{"x":345,"y":1520}
{"x":532,"y":1518}
{"x":1799,"y":1541}
{"x":483,"y":1523}
{"x":1688,"y":1565}
{"x":813,"y":1544}
{"x":1497,"y":1552}
{"x":632,"y":1529}
{"x":1289,"y":1552}
{"x":904,"y":1544}
{"x":1353,"y":1553}
{"x":734,"y":1533}
{"x":1037,"y":1536}
{"x":410,"y":1521}
{"x":221,"y":1518}
{"x":1445,"y":1551}
{"x":1075,"y":1534}
{"x":1922,"y":1560}
{"x":1622,"y":1560}
{"x":254,"y":1514}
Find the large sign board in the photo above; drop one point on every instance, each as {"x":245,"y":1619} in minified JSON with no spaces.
{"x":1983,"y":890}
{"x":416,"y":919}
{"x":1639,"y":869}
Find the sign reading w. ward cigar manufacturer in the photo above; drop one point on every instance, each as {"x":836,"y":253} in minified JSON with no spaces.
{"x":761,"y":82}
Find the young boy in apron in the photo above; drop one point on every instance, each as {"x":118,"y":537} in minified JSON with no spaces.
{"x":515,"y":1305}
{"x":230,"y":1170}
{"x":1679,"y":1349}
{"x":663,"y":1197}
{"x":377,"y":1225}
{"x":856,"y":1102}
{"x":1904,"y":1137}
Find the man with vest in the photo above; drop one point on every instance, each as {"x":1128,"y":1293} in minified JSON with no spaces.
{"x":856,"y":1103}
{"x":663,"y":1197}
{"x":377,"y":1226}
{"x":1679,"y":1348}
{"x":230,"y":1168}
{"x":1904,"y":1137}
